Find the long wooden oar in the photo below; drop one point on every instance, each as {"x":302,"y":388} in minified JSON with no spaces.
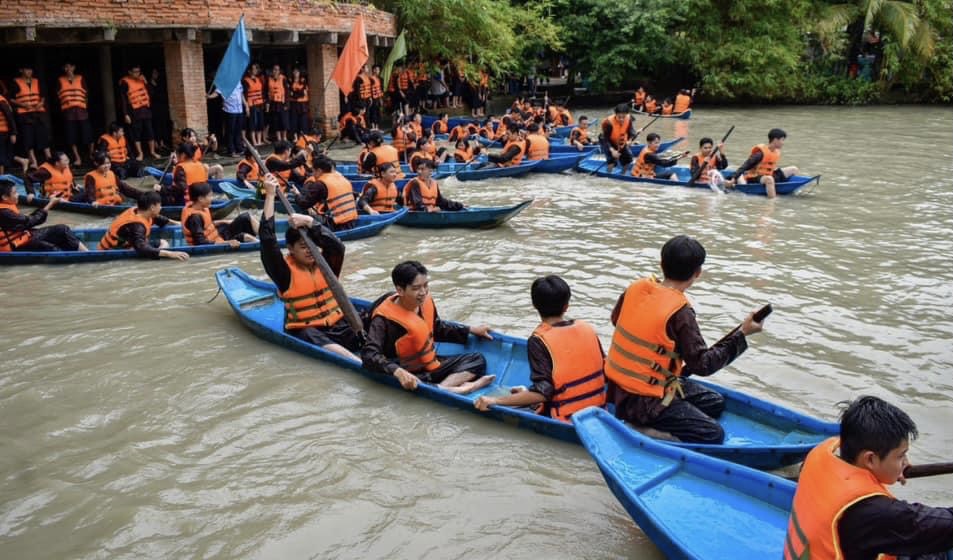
{"x":344,"y":302}
{"x":637,"y":132}
{"x":713,"y":155}
{"x":164,"y":171}
{"x":930,"y":469}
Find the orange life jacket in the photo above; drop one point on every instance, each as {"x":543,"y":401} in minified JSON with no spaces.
{"x":429,"y":192}
{"x":116,"y":149}
{"x":459,"y":132}
{"x":619,"y":135}
{"x":439,"y":127}
{"x":651,"y":106}
{"x":387,"y":154}
{"x":302,"y":142}
{"x":577,"y":367}
{"x":376,"y":91}
{"x":538,"y":147}
{"x":276,"y":89}
{"x":699,"y":160}
{"x":10,"y":240}
{"x":254,"y":173}
{"x":403,"y":80}
{"x":642,"y":167}
{"x":340,"y":199}
{"x":28,"y":95}
{"x":767,"y":165}
{"x":415,"y":350}
{"x":106,"y":187}
{"x":60,"y":182}
{"x":417,"y":157}
{"x":136,"y":92}
{"x":253,"y":91}
{"x":4,"y":125}
{"x":302,"y":88}
{"x":519,"y":157}
{"x":348,"y":118}
{"x":195,"y":172}
{"x":642,"y":358}
{"x":365,"y":92}
{"x":308,"y":300}
{"x":386,"y":198}
{"x":682,"y":103}
{"x":197,"y":156}
{"x":666,"y":109}
{"x":564,"y":118}
{"x":417,"y":128}
{"x":827,"y":487}
{"x":399,"y":140}
{"x":639,"y":98}
{"x":579,"y":135}
{"x":72,"y":94}
{"x":211,"y":232}
{"x":113,"y":240}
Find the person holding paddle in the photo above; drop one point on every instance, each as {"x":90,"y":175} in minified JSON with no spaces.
{"x":579,"y":136}
{"x":762,"y":165}
{"x":707,"y":162}
{"x":616,"y":133}
{"x":842,"y":508}
{"x":649,"y":161}
{"x":657,"y":344}
{"x":311,"y":311}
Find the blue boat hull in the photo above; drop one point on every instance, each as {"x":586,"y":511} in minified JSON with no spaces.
{"x":166,"y":179}
{"x":473,"y":217}
{"x":786,"y":436}
{"x":557,"y":163}
{"x":497,"y":172}
{"x":368,"y":226}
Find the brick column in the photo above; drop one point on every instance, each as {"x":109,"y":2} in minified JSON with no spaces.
{"x":324,"y":100}
{"x":109,"y":86}
{"x":185,"y":76}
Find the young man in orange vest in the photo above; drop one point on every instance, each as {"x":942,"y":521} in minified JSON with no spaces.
{"x":55,"y":177}
{"x":277,"y":103}
{"x":19,"y":232}
{"x":380,"y":195}
{"x":30,"y":105}
{"x":137,"y":111}
{"x":403,"y":331}
{"x":657,"y":344}
{"x":762,"y":165}
{"x":312,"y":313}
{"x":254,"y":86}
{"x":199,"y":228}
{"x":115,"y":145}
{"x":131,"y":229}
{"x":842,"y":508}
{"x":74,"y":99}
{"x":330,"y":195}
{"x":422,"y":193}
{"x":579,"y":136}
{"x":186,"y":173}
{"x":377,"y":98}
{"x":617,"y":131}
{"x":565,"y":359}
{"x":102,"y":187}
{"x":513,"y":151}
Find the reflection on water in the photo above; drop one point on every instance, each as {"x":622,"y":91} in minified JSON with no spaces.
{"x":139,"y":421}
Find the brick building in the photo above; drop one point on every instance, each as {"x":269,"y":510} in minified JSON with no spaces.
{"x":184,"y":40}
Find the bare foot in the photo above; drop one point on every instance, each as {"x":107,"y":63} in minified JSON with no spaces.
{"x":471,"y":386}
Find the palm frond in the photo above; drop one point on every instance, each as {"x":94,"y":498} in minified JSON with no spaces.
{"x":899,"y":19}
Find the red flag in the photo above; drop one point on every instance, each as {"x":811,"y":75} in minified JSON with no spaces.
{"x":352,"y":57}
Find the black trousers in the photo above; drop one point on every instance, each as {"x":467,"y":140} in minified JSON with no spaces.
{"x":238,"y":226}
{"x":691,"y":419}
{"x":473,"y":362}
{"x":130,"y":168}
{"x":52,"y":238}
{"x":338,"y":333}
{"x":374,"y":112}
{"x":234,"y":123}
{"x":625,"y":156}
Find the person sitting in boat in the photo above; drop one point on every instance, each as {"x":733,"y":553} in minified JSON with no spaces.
{"x":463,"y":132}
{"x":403,"y":330}
{"x":329,"y":195}
{"x":537,"y":145}
{"x":638,"y":99}
{"x":488,"y":127}
{"x":188,"y":136}
{"x":313,"y":138}
{"x":579,"y":136}
{"x":380,"y":154}
{"x":464,"y":152}
{"x":248,"y":173}
{"x":667,"y":107}
{"x":617,"y":131}
{"x":286,"y":168}
{"x":842,"y":508}
{"x":712,"y":164}
{"x":422,"y":194}
{"x":19,"y":232}
{"x":186,"y":173}
{"x":199,"y":228}
{"x":649,"y":161}
{"x":131,"y":230}
{"x":379,"y":195}
{"x":114,"y":143}
{"x":762,"y":165}
{"x":683,"y":101}
{"x":657,"y":344}
{"x":442,"y":125}
{"x":311,"y":312}
{"x":102,"y":187}
{"x":55,"y":177}
{"x":513,"y":151}
{"x":563,"y":116}
{"x":352,"y":125}
{"x":651,"y":105}
{"x":565,"y":359}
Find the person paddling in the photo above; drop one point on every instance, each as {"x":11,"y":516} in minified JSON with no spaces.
{"x":403,"y":330}
{"x":762,"y":165}
{"x":842,"y":508}
{"x":19,"y":232}
{"x":616,"y":133}
{"x":713,"y":164}
{"x":513,"y":152}
{"x":565,"y":359}
{"x":649,"y":161}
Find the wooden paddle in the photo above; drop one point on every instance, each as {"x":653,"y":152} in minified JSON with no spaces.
{"x":637,"y":132}
{"x":930,"y":469}
{"x":714,"y":154}
{"x":164,"y":171}
{"x":344,"y":302}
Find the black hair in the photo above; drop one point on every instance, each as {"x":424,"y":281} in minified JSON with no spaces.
{"x":357,"y":106}
{"x":652,"y":137}
{"x":186,"y":132}
{"x":406,"y":272}
{"x":100,"y":158}
{"x":187,"y":150}
{"x":114,"y":127}
{"x":375,"y":138}
{"x":324,"y":163}
{"x":621,"y":108}
{"x":533,"y":127}
{"x":147,"y":200}
{"x":6,"y":186}
{"x":282,"y":146}
{"x":426,"y":162}
{"x":705,"y":140}
{"x":421,"y":142}
{"x":386,"y":167}
{"x":682,"y":256}
{"x":583,"y":118}
{"x":550,"y":295}
{"x":776,"y":133}
{"x":292,"y":236}
{"x":873,"y":424}
{"x":56,"y":157}
{"x":198,"y":190}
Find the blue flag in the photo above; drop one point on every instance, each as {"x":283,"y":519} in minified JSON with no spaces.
{"x":236,"y":59}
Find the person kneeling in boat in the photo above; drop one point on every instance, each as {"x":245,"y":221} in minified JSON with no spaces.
{"x":330,"y":195}
{"x":379,"y":195}
{"x":19,"y":232}
{"x":842,"y":508}
{"x":645,"y":165}
{"x":422,"y":194}
{"x":617,"y":131}
{"x":762,"y":165}
{"x":579,"y":136}
{"x":707,"y":166}
{"x":311,"y":312}
{"x":199,"y":228}
{"x":403,"y":330}
{"x":657,"y":344}
{"x":131,"y":230}
{"x":565,"y":359}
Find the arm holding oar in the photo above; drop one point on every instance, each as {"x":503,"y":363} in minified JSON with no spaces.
{"x":714,"y":154}
{"x":620,"y":153}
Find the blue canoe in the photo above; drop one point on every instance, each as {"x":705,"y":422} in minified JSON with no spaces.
{"x":427,"y":121}
{"x":368,"y":226}
{"x":566,"y":149}
{"x":682,"y":116}
{"x":692,"y":506}
{"x":484,"y":173}
{"x":759,"y":433}
{"x":472,"y":217}
{"x":220,"y":208}
{"x":595,"y":163}
{"x":166,"y":179}
{"x":557,"y":163}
